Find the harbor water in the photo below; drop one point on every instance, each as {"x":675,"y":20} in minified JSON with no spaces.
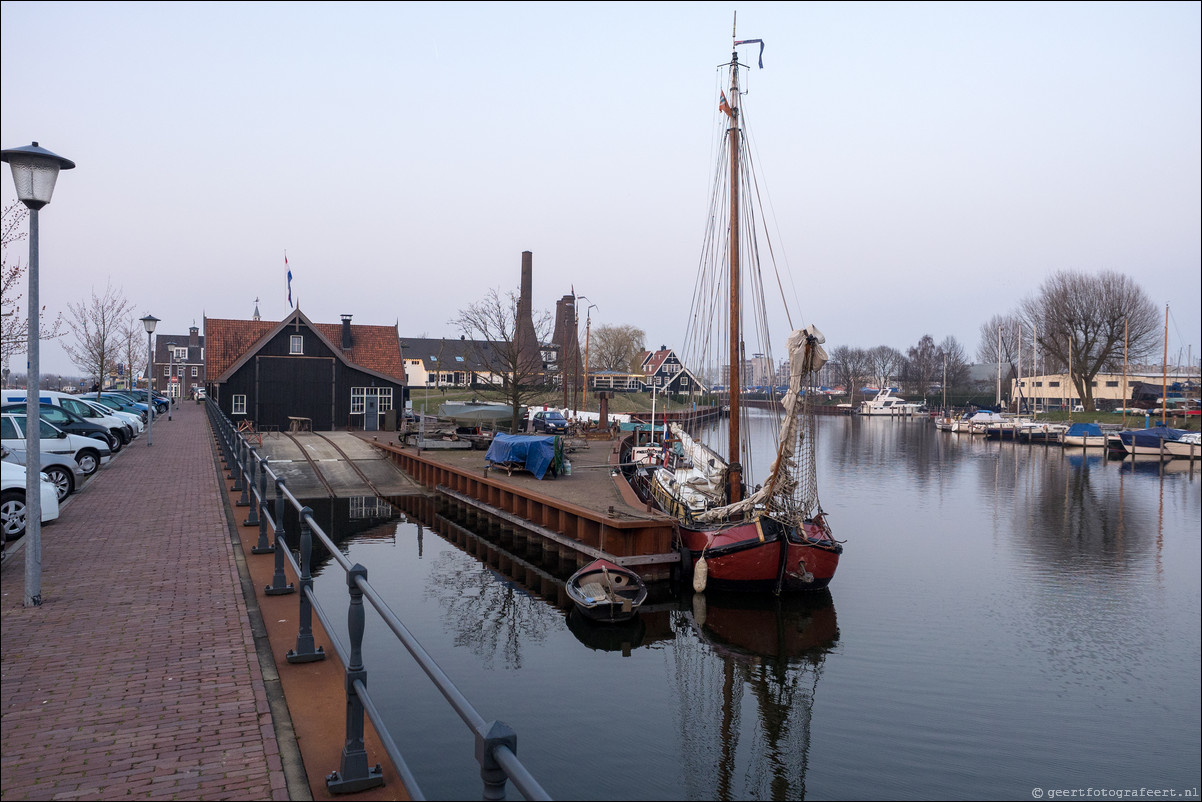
{"x":1008,"y":621}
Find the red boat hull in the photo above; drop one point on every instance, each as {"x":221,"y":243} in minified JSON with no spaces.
{"x":763,"y":555}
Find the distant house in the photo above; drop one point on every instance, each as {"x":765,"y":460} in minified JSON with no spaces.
{"x":446,"y":362}
{"x":664,"y":373}
{"x":616,"y":381}
{"x":330,"y":373}
{"x":179,"y":363}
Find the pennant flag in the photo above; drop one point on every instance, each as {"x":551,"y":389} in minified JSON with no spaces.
{"x":724,"y":106}
{"x":751,"y":42}
{"x":288,"y":270}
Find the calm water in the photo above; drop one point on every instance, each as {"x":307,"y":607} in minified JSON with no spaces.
{"x":1005,"y":617}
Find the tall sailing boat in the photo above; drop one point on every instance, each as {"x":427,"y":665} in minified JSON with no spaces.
{"x":770,"y":536}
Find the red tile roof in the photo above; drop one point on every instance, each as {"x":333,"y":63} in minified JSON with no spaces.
{"x":373,"y":348}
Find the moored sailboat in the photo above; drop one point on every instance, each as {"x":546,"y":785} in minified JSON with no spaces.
{"x":772,"y":536}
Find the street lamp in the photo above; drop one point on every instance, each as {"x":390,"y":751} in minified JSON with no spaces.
{"x":173,"y":386}
{"x":149,"y":322}
{"x":35,"y":171}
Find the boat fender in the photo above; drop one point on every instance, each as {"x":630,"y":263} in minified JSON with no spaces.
{"x":700,"y":574}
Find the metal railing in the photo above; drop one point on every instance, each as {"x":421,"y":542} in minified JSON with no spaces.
{"x":495,"y":742}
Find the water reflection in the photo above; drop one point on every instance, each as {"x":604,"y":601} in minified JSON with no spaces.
{"x":1003,"y":606}
{"x":746,"y":667}
{"x":624,"y":636}
{"x":770,"y":653}
{"x":345,"y":521}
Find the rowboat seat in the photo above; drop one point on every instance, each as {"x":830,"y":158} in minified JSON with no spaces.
{"x":594,"y":591}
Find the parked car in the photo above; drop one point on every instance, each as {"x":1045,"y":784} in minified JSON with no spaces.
{"x":127,"y":402}
{"x":551,"y":422}
{"x":12,"y":500}
{"x":117,"y":426}
{"x":70,"y":423}
{"x":89,"y":453}
{"x":132,"y":421}
{"x":62,"y":470}
{"x":161,"y":403}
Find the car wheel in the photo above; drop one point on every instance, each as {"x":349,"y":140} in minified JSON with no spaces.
{"x":88,"y":461}
{"x":114,"y":442}
{"x":64,"y":482}
{"x":12,"y":514}
{"x":124,"y":436}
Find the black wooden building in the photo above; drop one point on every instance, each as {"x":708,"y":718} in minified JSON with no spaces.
{"x":296,"y":372}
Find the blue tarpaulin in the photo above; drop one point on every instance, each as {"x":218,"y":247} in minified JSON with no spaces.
{"x":536,"y":453}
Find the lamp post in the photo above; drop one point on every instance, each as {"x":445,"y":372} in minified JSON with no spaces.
{"x":35,"y":171}
{"x":173,"y":386}
{"x":149,"y":322}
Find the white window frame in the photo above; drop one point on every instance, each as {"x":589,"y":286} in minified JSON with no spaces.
{"x":359,"y":396}
{"x":296,"y":344}
{"x":238,"y":404}
{"x":195,"y":371}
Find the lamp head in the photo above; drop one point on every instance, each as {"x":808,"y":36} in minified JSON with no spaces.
{"x":149,"y":322}
{"x":35,"y":170}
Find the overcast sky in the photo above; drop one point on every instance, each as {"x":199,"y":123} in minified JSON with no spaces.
{"x":928,"y":164}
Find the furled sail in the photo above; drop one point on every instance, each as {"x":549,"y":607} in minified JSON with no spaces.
{"x":779,"y":491}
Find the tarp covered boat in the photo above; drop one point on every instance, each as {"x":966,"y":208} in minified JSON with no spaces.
{"x":538,"y":454}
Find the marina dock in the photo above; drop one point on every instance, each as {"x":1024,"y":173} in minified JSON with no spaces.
{"x":588,"y":514}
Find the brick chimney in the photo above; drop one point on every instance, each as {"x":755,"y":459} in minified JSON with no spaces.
{"x":529,"y":351}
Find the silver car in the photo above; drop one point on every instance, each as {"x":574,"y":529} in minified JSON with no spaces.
{"x":62,"y":470}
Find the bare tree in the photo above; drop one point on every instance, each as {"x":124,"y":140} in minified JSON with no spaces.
{"x":851,"y":367}
{"x":924,"y":362}
{"x":956,"y":371}
{"x":999,"y":344}
{"x":494,"y":323}
{"x":1083,"y":320}
{"x":14,"y":323}
{"x":96,"y":325}
{"x":884,"y":364}
{"x":616,"y":347}
{"x":129,"y":346}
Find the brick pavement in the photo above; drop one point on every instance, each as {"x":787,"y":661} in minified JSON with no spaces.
{"x":138,"y":675}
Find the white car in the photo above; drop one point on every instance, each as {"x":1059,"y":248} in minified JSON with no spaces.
{"x":62,"y":471}
{"x":89,"y":453}
{"x":134,"y":422}
{"x":12,"y":500}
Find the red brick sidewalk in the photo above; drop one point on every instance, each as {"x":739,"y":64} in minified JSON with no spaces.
{"x":138,"y":674}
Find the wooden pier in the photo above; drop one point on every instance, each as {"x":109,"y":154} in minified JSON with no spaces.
{"x":588,"y":514}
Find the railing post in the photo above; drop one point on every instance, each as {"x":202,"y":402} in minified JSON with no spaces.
{"x":488,"y":738}
{"x":262,"y":547}
{"x":240,"y":472}
{"x":252,"y":461}
{"x":279,"y":583}
{"x":305,"y":651}
{"x":354,"y":774}
{"x":230,"y":464}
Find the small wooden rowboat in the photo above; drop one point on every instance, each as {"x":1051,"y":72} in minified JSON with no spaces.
{"x":606,"y":592}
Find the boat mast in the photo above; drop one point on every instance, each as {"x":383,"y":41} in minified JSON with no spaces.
{"x":1125,"y":394}
{"x":734,"y":482}
{"x":1164,"y":374}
